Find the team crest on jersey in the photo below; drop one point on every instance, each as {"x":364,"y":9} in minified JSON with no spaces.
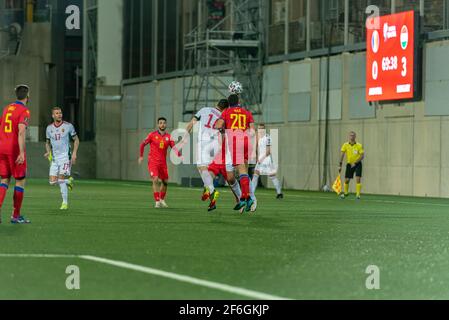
{"x":166,"y":139}
{"x":63,"y":130}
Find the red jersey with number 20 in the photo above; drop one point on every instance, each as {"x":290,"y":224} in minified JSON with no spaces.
{"x":13,"y":115}
{"x":159,"y":145}
{"x":237,"y":118}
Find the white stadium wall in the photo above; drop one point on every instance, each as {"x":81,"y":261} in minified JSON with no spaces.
{"x":407,"y":145}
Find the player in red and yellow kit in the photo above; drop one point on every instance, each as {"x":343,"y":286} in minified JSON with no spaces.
{"x":14,"y":122}
{"x":239,"y":125}
{"x":159,"y":142}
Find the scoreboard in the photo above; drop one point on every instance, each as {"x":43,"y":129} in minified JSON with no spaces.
{"x":392,"y":58}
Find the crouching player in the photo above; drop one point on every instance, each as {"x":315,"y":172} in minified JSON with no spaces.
{"x":59,"y":135}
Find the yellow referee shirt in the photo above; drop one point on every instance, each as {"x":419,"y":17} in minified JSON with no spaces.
{"x":353,"y":152}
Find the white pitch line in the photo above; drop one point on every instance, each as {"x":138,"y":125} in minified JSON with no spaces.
{"x":186,"y":279}
{"x":157,"y":272}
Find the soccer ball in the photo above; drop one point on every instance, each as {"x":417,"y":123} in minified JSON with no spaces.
{"x":235,"y":87}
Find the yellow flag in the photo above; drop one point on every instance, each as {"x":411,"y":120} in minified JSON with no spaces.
{"x":337,"y":185}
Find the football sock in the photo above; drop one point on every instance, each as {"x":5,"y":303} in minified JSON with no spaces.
{"x":244,"y":184}
{"x":359,"y":189}
{"x":207,"y":180}
{"x":277,"y":184}
{"x":64,"y":191}
{"x":157,"y":197}
{"x":163,"y":195}
{"x":346,"y":188}
{"x":236,"y":189}
{"x":253,"y":186}
{"x":18,"y":199}
{"x":3,"y":190}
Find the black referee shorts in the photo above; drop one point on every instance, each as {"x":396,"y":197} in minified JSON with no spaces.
{"x":350,"y":171}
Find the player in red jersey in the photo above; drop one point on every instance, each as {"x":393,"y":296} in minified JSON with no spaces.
{"x":239,"y":125}
{"x":159,"y":142}
{"x":14,"y":122}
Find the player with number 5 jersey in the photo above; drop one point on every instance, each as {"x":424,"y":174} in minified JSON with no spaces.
{"x":14,"y":122}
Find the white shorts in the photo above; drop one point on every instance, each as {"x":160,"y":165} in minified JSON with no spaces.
{"x":267,"y":167}
{"x":60,"y":167}
{"x":207,"y":150}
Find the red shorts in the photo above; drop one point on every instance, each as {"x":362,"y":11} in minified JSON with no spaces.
{"x":9,"y":168}
{"x":158,"y":171}
{"x":217,"y":169}
{"x":240,"y":152}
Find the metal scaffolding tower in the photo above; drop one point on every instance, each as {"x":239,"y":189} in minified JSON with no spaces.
{"x":216,"y":53}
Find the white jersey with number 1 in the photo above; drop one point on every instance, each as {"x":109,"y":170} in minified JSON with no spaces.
{"x":59,"y":137}
{"x":208,"y":146}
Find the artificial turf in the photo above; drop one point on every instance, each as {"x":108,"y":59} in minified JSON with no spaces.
{"x":307,"y":246}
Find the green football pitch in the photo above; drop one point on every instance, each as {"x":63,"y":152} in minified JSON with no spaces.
{"x":307,"y":246}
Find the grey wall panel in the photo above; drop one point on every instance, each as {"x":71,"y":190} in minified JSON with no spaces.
{"x":130,"y":107}
{"x":437,"y":66}
{"x":166,"y":111}
{"x":437,"y":97}
{"x":300,"y":77}
{"x":299,"y":105}
{"x":272,"y":109}
{"x":273,"y":80}
{"x":335,"y":76}
{"x":357,"y":70}
{"x":359,"y":108}
{"x":147,"y":118}
{"x":166,"y":92}
{"x":335,"y":104}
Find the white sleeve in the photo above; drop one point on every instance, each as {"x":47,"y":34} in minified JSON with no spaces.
{"x":198,"y":115}
{"x":48,"y":133}
{"x":73,"y":133}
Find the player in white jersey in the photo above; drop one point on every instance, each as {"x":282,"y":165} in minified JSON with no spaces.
{"x":208,"y":146}
{"x":59,"y":136}
{"x":265,"y":165}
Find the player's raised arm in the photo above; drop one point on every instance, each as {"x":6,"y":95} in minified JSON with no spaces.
{"x":189,"y":129}
{"x":21,"y":140}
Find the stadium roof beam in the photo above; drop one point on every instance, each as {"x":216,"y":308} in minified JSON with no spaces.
{"x":230,"y":48}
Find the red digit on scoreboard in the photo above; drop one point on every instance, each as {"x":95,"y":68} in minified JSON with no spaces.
{"x":390,"y":58}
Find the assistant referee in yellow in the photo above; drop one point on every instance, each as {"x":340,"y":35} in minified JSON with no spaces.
{"x":354,"y":156}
